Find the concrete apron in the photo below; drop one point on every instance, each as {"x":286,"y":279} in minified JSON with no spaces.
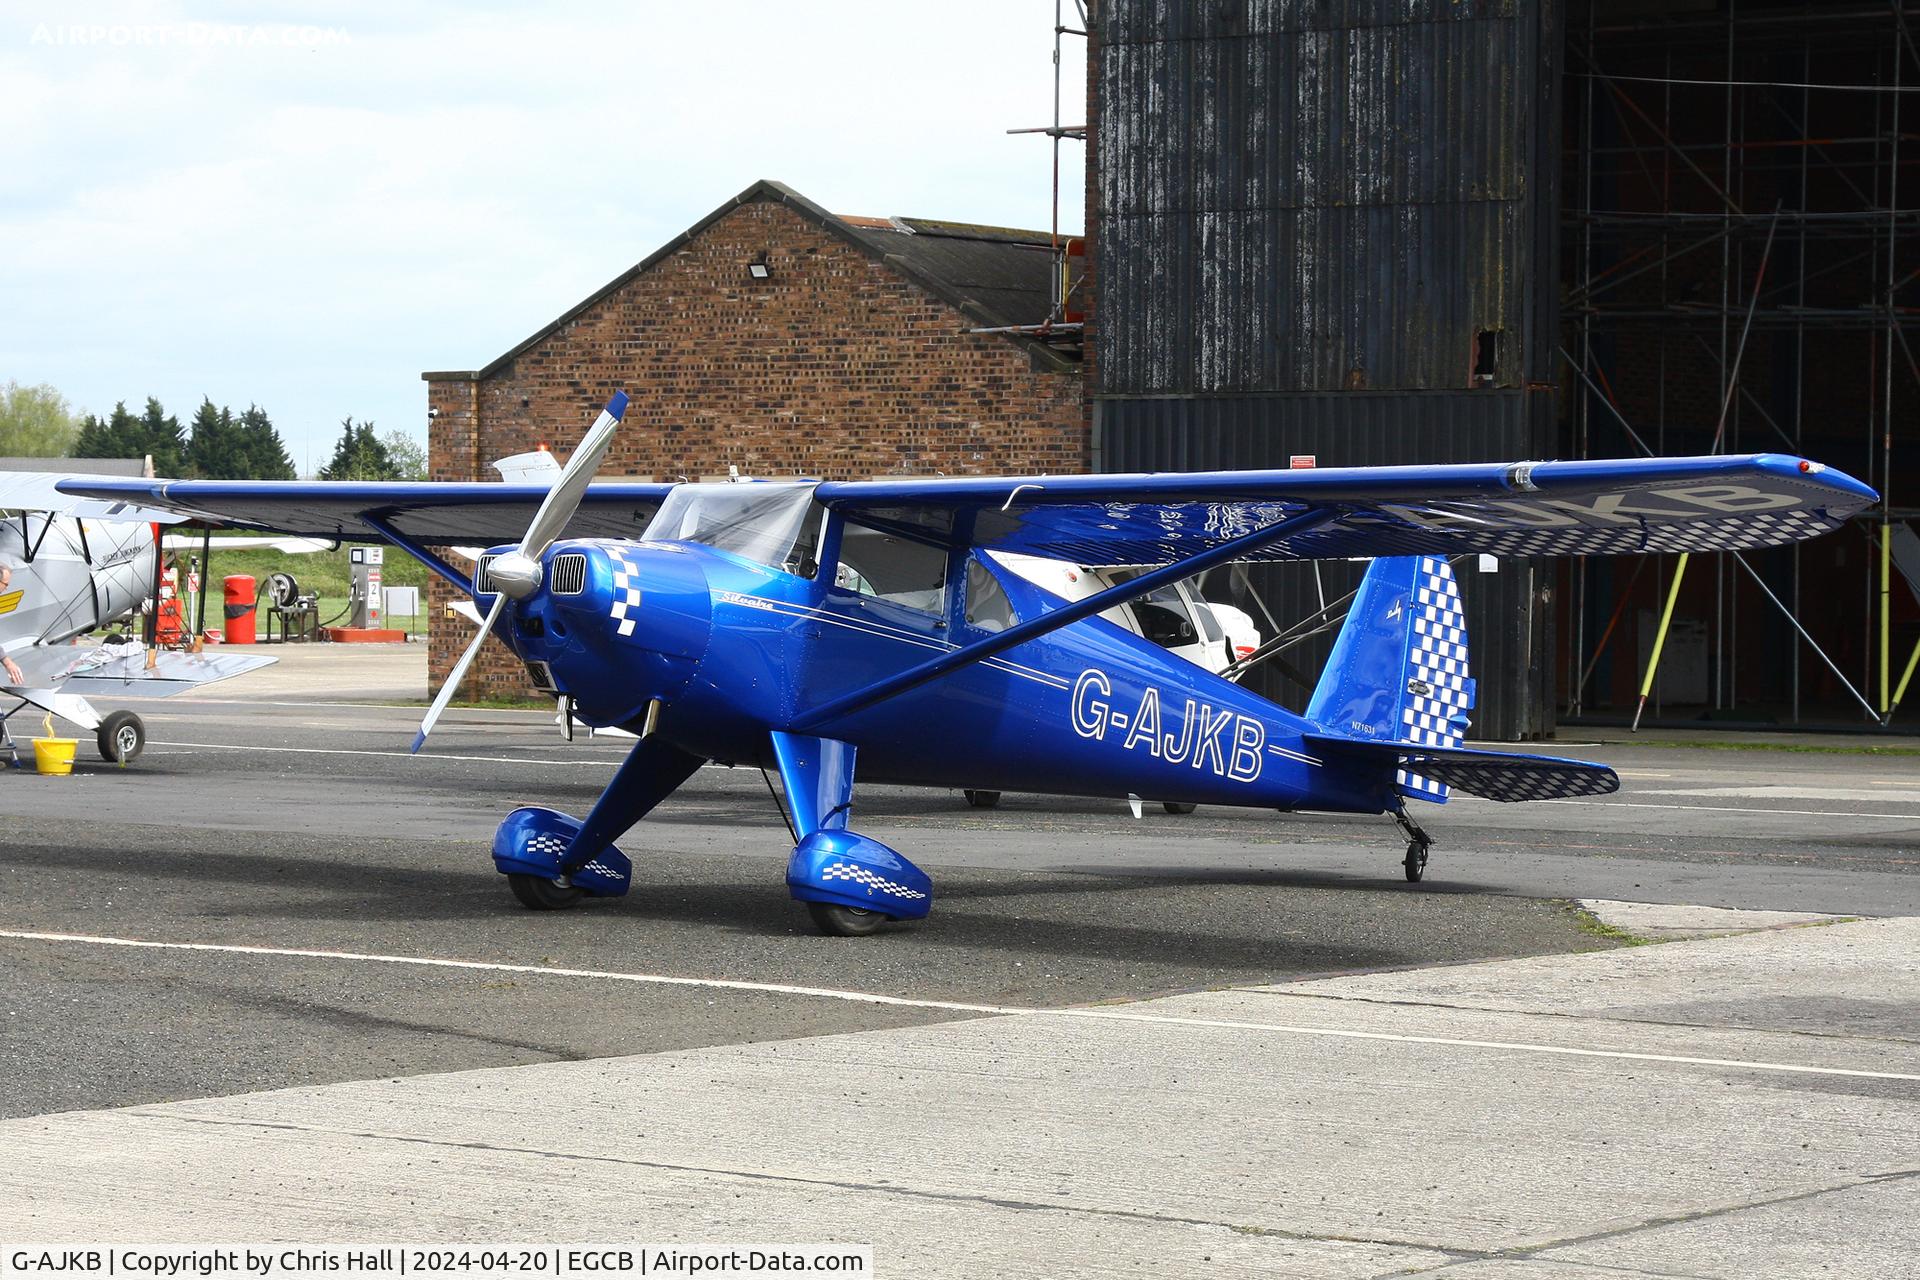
{"x":1736,"y":1106}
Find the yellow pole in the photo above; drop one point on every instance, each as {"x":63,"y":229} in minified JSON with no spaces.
{"x":1886,"y":612}
{"x":1900,"y":690}
{"x":1660,"y":640}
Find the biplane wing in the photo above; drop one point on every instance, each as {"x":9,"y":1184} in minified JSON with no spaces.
{"x":38,"y":491}
{"x":70,"y":670}
{"x":1600,"y":507}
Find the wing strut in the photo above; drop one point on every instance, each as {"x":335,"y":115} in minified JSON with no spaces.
{"x":413,"y":547}
{"x":913,"y":677}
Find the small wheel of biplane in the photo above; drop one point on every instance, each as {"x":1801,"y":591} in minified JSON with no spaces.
{"x":538,"y":894}
{"x":982,"y":799}
{"x":121,"y":737}
{"x":837,"y":921}
{"x":1416,"y":860}
{"x":1175,"y":807}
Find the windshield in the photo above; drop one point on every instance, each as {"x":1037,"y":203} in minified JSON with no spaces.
{"x":765,"y":523}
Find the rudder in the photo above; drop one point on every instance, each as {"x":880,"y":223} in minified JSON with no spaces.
{"x":1399,"y":671}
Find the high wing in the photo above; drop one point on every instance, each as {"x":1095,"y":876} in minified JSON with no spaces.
{"x":37,"y":491}
{"x":1527,"y":508}
{"x":1719,"y":503}
{"x":432,"y":513}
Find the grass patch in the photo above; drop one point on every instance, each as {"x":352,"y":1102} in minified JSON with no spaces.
{"x":323,"y":573}
{"x":1594,"y":927}
{"x":1803,"y":748}
{"x":326,"y":574}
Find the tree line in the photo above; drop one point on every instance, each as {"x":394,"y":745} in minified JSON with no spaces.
{"x":215,"y":444}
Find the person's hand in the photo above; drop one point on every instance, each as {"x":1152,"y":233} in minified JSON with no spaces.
{"x":14,"y":674}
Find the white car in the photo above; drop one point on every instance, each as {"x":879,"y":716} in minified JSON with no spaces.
{"x":1242,"y":636}
{"x":1175,"y":617}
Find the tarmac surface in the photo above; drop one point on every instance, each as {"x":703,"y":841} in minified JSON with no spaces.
{"x":270,"y":979}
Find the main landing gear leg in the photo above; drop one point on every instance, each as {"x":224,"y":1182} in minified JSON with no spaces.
{"x":552,"y":861}
{"x":1418,"y":842}
{"x":852,"y":884}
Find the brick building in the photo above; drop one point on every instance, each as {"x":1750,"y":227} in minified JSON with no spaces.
{"x":784,"y":340}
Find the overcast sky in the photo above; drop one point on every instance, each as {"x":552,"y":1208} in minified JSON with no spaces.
{"x":305,"y":205}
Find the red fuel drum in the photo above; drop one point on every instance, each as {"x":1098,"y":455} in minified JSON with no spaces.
{"x":240,"y":615}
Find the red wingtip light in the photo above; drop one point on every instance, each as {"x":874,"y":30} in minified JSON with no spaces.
{"x":1805,"y":465}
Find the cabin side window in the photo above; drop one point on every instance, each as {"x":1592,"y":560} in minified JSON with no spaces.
{"x":987,"y":605}
{"x":886,"y":566}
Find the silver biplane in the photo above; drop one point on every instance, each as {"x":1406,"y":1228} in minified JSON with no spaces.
{"x":70,"y":567}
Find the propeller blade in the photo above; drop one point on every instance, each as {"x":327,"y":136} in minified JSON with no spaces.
{"x":459,"y":673}
{"x":555,"y":510}
{"x":564,"y":498}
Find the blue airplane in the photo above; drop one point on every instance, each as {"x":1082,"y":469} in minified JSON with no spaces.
{"x":829,"y":630}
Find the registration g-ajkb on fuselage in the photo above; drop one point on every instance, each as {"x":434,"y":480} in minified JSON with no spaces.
{"x":824,"y":629}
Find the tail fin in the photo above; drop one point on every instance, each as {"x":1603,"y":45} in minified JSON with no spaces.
{"x":1398,"y":672}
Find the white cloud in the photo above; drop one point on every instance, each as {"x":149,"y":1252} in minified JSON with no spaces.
{"x":312,"y":208}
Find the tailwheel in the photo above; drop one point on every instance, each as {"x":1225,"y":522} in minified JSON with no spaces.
{"x":982,"y":799}
{"x":837,"y":921}
{"x":1418,"y":842}
{"x":1416,"y":861}
{"x":1175,"y":807}
{"x":538,"y":894}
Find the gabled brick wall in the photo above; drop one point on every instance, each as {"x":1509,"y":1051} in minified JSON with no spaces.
{"x":838,"y":366}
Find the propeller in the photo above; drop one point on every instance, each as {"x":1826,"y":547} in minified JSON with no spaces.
{"x":517,"y":574}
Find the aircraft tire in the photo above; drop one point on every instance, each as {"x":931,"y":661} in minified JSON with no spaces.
{"x":121,"y":737}
{"x":537,"y":894}
{"x":1175,"y":807}
{"x":982,"y":799}
{"x":1416,"y":861}
{"x":837,"y":921}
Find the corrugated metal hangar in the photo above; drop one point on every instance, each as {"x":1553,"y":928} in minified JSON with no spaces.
{"x":1397,"y":231}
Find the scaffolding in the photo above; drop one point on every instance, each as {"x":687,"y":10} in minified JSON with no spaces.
{"x":1063,"y":326}
{"x":1739,"y":276}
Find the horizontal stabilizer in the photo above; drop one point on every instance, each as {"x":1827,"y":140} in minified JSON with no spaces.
{"x":1506,"y":776}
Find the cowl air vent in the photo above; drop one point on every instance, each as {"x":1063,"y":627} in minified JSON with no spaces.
{"x":568,"y":574}
{"x":482,"y":577}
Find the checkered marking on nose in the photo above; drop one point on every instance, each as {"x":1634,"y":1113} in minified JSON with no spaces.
{"x":1440,"y":686}
{"x":862,"y":876}
{"x":626,"y":589}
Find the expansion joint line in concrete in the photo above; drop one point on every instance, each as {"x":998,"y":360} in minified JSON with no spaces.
{"x":1384,"y":1002}
{"x":785,"y":1179}
{"x":1533,"y":1251}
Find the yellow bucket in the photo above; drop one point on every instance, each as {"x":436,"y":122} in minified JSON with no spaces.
{"x":54,"y":756}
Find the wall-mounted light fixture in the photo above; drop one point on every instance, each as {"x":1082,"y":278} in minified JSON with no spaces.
{"x":758,"y":268}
